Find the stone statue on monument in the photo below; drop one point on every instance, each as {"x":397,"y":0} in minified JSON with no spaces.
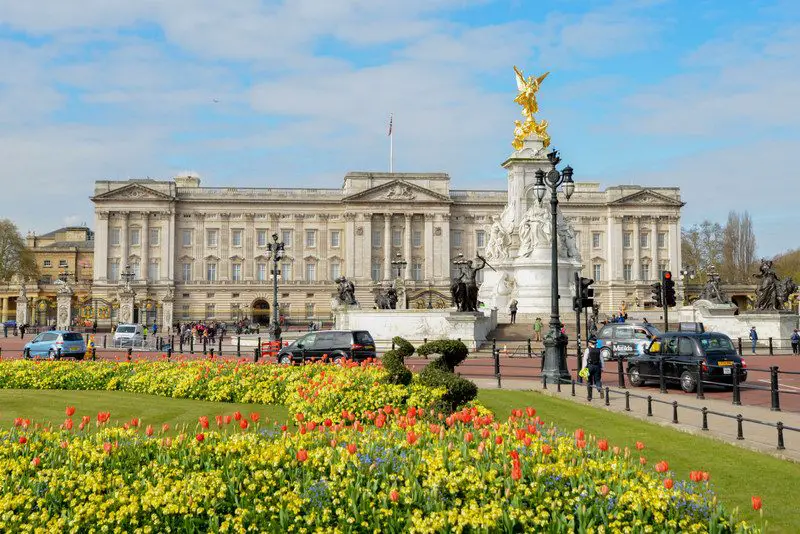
{"x":498,"y":243}
{"x":386,"y":299}
{"x":534,"y":230}
{"x":347,"y":291}
{"x":712,"y":291}
{"x":767,"y":290}
{"x":471,"y":282}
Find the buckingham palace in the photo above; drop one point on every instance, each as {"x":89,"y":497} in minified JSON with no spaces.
{"x":206,"y":247}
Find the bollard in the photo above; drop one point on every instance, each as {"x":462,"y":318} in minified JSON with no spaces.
{"x":180,"y":343}
{"x":258,"y":344}
{"x":608,"y":403}
{"x":171,"y":341}
{"x":558,"y":385}
{"x":27,"y":353}
{"x":58,"y":354}
{"x":94,"y":354}
{"x":675,"y":412}
{"x":494,"y":346}
{"x":104,"y":341}
{"x":737,"y":395}
{"x":496,"y":356}
{"x":530,"y":352}
{"x":649,"y":406}
{"x":1,"y":352}
{"x":169,"y":354}
{"x":130,"y":351}
{"x":773,"y":386}
{"x":191,"y":344}
{"x":627,"y":401}
{"x":739,"y":431}
{"x":211,"y":353}
{"x":621,"y":373}
{"x":255,"y":355}
{"x":771,"y":352}
{"x":739,"y":345}
{"x":662,"y":380}
{"x":238,"y":346}
{"x":219,"y":350}
{"x":700,"y":379}
{"x":705,"y":418}
{"x":573,"y":387}
{"x":544,"y":381}
{"x":780,"y":436}
{"x":86,"y":338}
{"x":205,"y":346}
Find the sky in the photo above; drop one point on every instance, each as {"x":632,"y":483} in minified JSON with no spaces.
{"x":703,"y":95}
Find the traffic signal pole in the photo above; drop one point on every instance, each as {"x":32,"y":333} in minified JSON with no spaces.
{"x":666,"y":312}
{"x":576,"y":306}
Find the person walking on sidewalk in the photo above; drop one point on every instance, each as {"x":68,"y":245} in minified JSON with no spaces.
{"x":537,"y":329}
{"x":753,"y":337}
{"x":513,"y":309}
{"x":594,"y":362}
{"x":795,"y":342}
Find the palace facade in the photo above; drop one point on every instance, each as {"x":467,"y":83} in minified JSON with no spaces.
{"x":206,"y":247}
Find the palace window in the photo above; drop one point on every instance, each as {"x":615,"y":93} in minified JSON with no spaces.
{"x":336,"y":270}
{"x":336,"y":238}
{"x":309,"y":310}
{"x":212,"y":237}
{"x":480,"y":239}
{"x":377,"y":238}
{"x":186,"y":237}
{"x":595,"y":239}
{"x":376,"y":272}
{"x":643,"y":239}
{"x":662,"y":239}
{"x":311,"y":271}
{"x":627,"y":238}
{"x":597,"y":271}
{"x":236,"y":312}
{"x":455,"y":236}
{"x":155,"y":236}
{"x":286,"y":237}
{"x":187,"y":272}
{"x":135,"y":236}
{"x":62,"y":264}
{"x":311,"y":238}
{"x":261,"y":238}
{"x":236,"y":272}
{"x":627,"y":272}
{"x":261,"y":272}
{"x":416,"y":238}
{"x":137,"y":270}
{"x":48,"y":263}
{"x":210,"y":311}
{"x":644,"y":271}
{"x":236,"y":238}
{"x":152,"y":271}
{"x":397,"y":237}
{"x":114,"y":236}
{"x":286,"y":271}
{"x":113,"y":271}
{"x":416,"y":271}
{"x":185,"y":311}
{"x":211,"y":272}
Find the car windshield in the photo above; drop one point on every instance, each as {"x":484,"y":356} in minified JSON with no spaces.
{"x":72,"y":336}
{"x":363,"y":338}
{"x":716,"y":344}
{"x":126,"y":329}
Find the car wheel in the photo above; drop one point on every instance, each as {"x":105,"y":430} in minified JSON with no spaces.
{"x":634,"y":377}
{"x":284,"y":359}
{"x":51,"y":354}
{"x":688,"y":382}
{"x":605,"y":353}
{"x":338,"y":360}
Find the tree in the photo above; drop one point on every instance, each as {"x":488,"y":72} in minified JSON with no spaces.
{"x":15,"y":258}
{"x":788,"y":264}
{"x":738,"y":248}
{"x":701,"y":246}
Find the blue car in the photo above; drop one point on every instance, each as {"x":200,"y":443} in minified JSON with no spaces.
{"x":47,"y":345}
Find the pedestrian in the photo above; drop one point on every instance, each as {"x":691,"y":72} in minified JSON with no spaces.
{"x":795,"y":342}
{"x":22,"y":330}
{"x":5,"y":329}
{"x":513,"y":309}
{"x":537,"y":329}
{"x":753,"y":337}
{"x":594,"y":362}
{"x":155,"y":329}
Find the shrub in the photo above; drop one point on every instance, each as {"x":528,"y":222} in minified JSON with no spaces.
{"x":452,"y":352}
{"x":394,"y":362}
{"x":439,"y":373}
{"x":403,"y":347}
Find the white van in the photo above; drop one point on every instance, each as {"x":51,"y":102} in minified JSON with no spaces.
{"x":128,"y":335}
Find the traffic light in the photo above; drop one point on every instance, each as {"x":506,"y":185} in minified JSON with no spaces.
{"x":656,"y":296}
{"x":587,"y":293}
{"x":669,"y":289}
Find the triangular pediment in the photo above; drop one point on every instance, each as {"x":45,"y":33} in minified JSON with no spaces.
{"x":647,"y":197}
{"x":398,"y":191}
{"x":133,"y":192}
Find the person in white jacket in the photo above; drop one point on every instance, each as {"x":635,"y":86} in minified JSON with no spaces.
{"x":594,"y":362}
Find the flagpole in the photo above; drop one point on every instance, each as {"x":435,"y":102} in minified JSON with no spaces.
{"x":391,"y":143}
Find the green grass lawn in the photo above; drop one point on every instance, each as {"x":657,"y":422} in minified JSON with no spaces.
{"x":736,"y":473}
{"x":49,"y":405}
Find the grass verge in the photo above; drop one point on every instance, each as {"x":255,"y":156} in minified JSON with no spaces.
{"x":736,"y":473}
{"x":48,"y":405}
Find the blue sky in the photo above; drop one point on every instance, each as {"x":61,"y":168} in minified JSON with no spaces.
{"x":697,"y":94}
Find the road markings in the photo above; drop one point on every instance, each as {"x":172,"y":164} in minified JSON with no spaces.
{"x":780,"y":385}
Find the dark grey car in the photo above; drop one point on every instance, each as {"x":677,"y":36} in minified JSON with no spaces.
{"x":625,"y":340}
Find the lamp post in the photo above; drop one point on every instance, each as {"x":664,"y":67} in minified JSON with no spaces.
{"x":555,"y":343}
{"x":64,"y":276}
{"x":127,"y":275}
{"x":430,"y":295}
{"x":399,"y":262}
{"x":275,"y":252}
{"x":687,"y":273}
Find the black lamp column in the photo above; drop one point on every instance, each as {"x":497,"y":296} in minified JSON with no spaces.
{"x":275,"y":252}
{"x":555,"y":343}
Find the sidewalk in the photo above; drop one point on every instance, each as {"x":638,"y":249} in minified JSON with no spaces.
{"x":757,"y":437}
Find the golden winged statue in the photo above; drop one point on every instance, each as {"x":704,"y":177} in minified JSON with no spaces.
{"x":527,"y":99}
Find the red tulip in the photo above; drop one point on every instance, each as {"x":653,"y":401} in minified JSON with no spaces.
{"x":642,"y":460}
{"x":18,"y":421}
{"x":581,"y":443}
{"x":604,"y":490}
{"x":227,"y":419}
{"x":662,"y":467}
{"x":411,"y":437}
{"x":68,"y":424}
{"x":668,"y":483}
{"x":499,"y":440}
{"x":514,"y":455}
{"x":485,"y":433}
{"x":300,"y":417}
{"x":546,"y":449}
{"x":284,"y":428}
{"x":203,"y":421}
{"x":243,"y":424}
{"x":302,"y":455}
{"x":36,"y":462}
{"x":756,"y":502}
{"x":639,"y":445}
{"x":516,"y":473}
{"x":527,"y":441}
{"x":107,"y":447}
{"x":602,"y":445}
{"x":352,"y":448}
{"x":394,"y":495}
{"x":200,"y":437}
{"x":255,"y":416}
{"x":23,"y":440}
{"x":530,"y":411}
{"x":165,"y":427}
{"x":218,"y":419}
{"x":149,"y":430}
{"x":237,"y":415}
{"x":579,"y":433}
{"x":70,"y":411}
{"x":468,"y":437}
{"x":328,"y":423}
{"x":86,"y":420}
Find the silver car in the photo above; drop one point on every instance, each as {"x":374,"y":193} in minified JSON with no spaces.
{"x":623,"y":340}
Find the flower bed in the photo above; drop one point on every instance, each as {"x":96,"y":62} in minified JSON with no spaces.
{"x":320,"y":390}
{"x":390,"y":471}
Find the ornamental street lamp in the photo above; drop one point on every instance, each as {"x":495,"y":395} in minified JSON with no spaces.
{"x":687,"y":274}
{"x":128,"y":275}
{"x":64,"y":276}
{"x":430,"y":295}
{"x":555,"y":343}
{"x":275,"y":252}
{"x":400,"y":263}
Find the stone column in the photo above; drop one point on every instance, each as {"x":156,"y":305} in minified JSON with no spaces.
{"x":323,"y":269}
{"x":387,"y":246}
{"x":64,"y":301}
{"x":614,"y":256}
{"x":428,"y":243}
{"x":349,"y":245}
{"x":165,"y":246}
{"x":224,"y":247}
{"x":654,"y":274}
{"x":637,"y":252}
{"x":444,"y":248}
{"x":364,"y":260}
{"x":674,"y":246}
{"x":145,"y":243}
{"x":101,"y":245}
{"x":407,"y":246}
{"x":299,"y":247}
{"x":123,"y":242}
{"x":199,"y":246}
{"x":167,"y":311}
{"x":4,"y":313}
{"x":251,"y":244}
{"x":126,"y":303}
{"x":22,"y":310}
